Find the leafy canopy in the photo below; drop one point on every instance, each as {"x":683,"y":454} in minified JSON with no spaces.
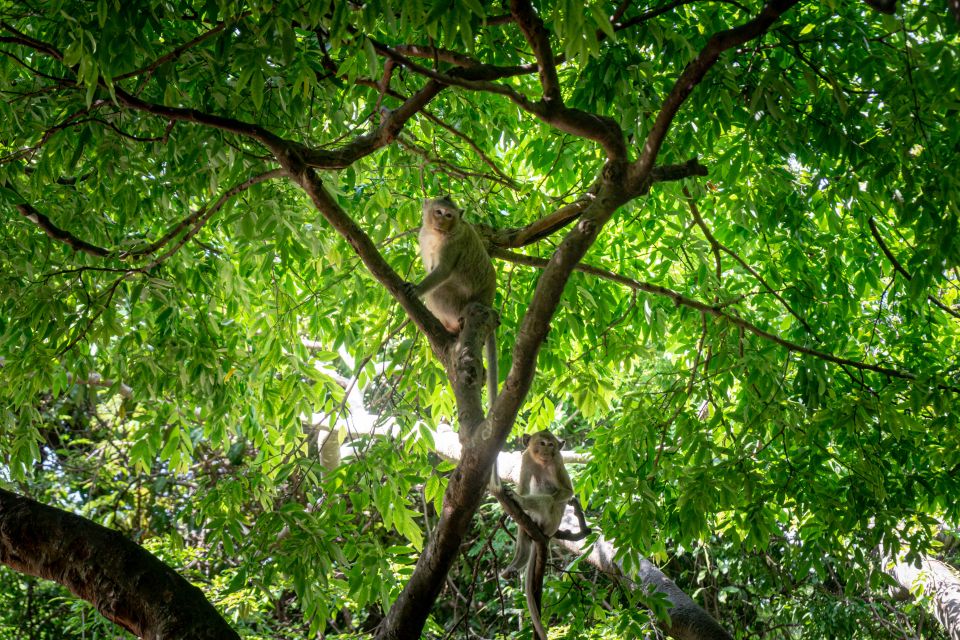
{"x":214,"y":291}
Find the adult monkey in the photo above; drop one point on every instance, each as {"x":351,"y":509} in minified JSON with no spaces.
{"x":544,"y":490}
{"x":459,"y":272}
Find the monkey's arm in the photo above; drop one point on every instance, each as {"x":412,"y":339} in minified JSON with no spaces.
{"x":564,"y":491}
{"x":436,"y":277}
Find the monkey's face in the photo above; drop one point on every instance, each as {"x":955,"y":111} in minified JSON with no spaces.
{"x":441,"y":214}
{"x":544,"y":447}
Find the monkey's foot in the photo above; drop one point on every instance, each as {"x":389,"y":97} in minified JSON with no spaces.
{"x":509,"y":573}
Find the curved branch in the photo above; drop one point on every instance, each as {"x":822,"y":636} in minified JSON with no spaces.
{"x":717,"y":246}
{"x":310,"y":182}
{"x":601,"y":129}
{"x":175,"y":53}
{"x":692,"y":75}
{"x":536,"y":34}
{"x":553,"y":222}
{"x":200,"y":218}
{"x":125,"y":583}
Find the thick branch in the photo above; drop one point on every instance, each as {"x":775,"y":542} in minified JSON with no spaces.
{"x":125,"y":583}
{"x":308,"y":179}
{"x":691,"y":77}
{"x":385,"y":133}
{"x":687,"y":620}
{"x":59,"y":234}
{"x":553,"y":222}
{"x":536,"y":34}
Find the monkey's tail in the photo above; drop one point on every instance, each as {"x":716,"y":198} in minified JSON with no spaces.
{"x":535,"y":590}
{"x":492,"y":370}
{"x":492,"y":375}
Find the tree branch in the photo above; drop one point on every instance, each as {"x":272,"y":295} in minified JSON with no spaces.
{"x":899,"y":268}
{"x":715,"y":310}
{"x":536,"y":34}
{"x":716,"y":245}
{"x":199,"y":218}
{"x":126,"y":584}
{"x":692,"y":75}
{"x":601,"y":129}
{"x":553,"y":222}
{"x":60,"y":235}
{"x":310,"y":182}
{"x":176,"y":52}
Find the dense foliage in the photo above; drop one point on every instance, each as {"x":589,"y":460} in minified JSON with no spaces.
{"x":172,"y":315}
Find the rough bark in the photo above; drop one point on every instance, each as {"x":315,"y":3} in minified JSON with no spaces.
{"x":125,"y":583}
{"x":936,"y":580}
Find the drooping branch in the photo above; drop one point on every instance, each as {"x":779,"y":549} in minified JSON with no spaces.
{"x":126,"y":584}
{"x":449,"y":168}
{"x":692,"y":75}
{"x":717,"y":246}
{"x":899,"y":267}
{"x":191,"y":225}
{"x":715,"y":310}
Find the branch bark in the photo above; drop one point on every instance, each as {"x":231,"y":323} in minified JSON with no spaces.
{"x":60,"y":235}
{"x":688,"y":621}
{"x":936,"y":580}
{"x":899,"y":268}
{"x":125,"y":583}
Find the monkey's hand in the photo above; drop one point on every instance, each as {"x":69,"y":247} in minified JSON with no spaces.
{"x":411,"y":289}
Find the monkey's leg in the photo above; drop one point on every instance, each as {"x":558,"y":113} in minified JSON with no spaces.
{"x":521,"y":557}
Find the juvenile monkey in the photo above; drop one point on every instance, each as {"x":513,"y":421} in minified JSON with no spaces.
{"x":543,"y":492}
{"x":459,"y":271}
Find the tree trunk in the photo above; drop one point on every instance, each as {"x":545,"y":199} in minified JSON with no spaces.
{"x":125,"y":583}
{"x":939,"y":581}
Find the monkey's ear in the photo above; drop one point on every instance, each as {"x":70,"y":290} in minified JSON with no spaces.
{"x":560,"y":444}
{"x":525,"y":439}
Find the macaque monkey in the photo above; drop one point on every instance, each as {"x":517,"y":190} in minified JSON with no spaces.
{"x":544,"y":490}
{"x":459,"y":272}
